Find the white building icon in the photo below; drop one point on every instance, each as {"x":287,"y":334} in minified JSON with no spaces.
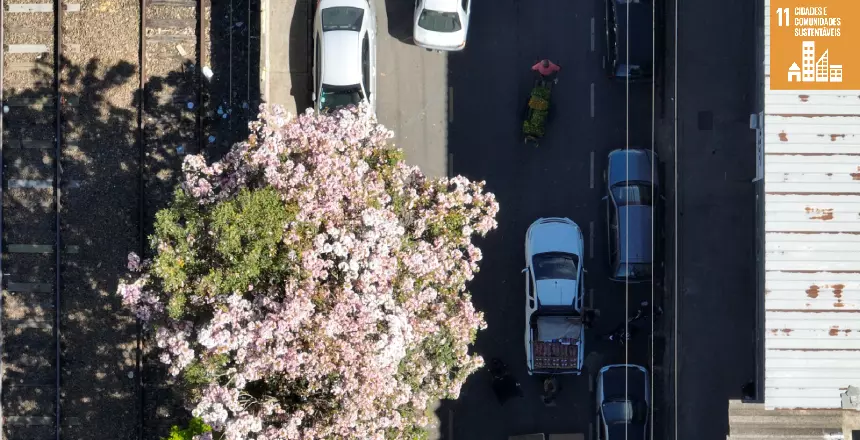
{"x":822,"y":68}
{"x":808,"y":61}
{"x":794,"y":73}
{"x":812,"y":70}
{"x":836,"y":73}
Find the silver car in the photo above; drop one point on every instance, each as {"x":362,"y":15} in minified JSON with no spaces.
{"x":623,"y":402}
{"x":344,"y":54}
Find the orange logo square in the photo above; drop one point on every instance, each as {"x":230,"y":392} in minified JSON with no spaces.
{"x":814,"y":45}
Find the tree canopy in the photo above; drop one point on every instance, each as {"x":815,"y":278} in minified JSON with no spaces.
{"x":312,"y":284}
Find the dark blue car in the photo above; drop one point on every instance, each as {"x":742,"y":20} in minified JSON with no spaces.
{"x":629,"y":39}
{"x":631,"y":186}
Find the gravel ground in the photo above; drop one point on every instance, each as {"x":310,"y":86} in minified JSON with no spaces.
{"x":233,"y":91}
{"x":100,"y":216}
{"x":28,"y":353}
{"x":172,"y":105}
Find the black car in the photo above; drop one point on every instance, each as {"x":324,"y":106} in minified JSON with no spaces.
{"x":623,"y":402}
{"x":631,"y":186}
{"x":629,"y":25}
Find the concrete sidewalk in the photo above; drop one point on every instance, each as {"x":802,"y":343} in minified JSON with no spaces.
{"x":286,"y":52}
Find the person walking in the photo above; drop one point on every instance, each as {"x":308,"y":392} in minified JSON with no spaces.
{"x":550,"y":389}
{"x":505,"y":386}
{"x":548,"y":70}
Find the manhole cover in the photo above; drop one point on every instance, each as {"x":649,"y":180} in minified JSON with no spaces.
{"x":706,"y":120}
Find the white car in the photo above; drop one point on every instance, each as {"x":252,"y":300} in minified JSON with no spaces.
{"x":344,"y":54}
{"x":441,"y":24}
{"x":554,"y":334}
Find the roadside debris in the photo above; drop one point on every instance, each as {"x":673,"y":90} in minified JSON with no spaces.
{"x":181,"y":50}
{"x":207,"y":72}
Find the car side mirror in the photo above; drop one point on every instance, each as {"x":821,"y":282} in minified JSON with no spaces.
{"x":524,"y":270}
{"x":605,"y":198}
{"x":313,"y":96}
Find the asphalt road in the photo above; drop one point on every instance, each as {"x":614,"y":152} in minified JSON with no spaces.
{"x":412,"y":89}
{"x":716,"y":162}
{"x":490,"y":81}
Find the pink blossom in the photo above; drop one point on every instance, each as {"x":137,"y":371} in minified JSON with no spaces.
{"x":378,"y":286}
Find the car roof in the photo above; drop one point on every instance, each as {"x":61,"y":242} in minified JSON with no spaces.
{"x":641,"y":46}
{"x":341,"y":58}
{"x":624,"y":380}
{"x":363,"y":4}
{"x":626,"y":432}
{"x":629,"y":164}
{"x":442,"y":5}
{"x":634,"y":234}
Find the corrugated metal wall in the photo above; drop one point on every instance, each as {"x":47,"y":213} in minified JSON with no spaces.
{"x":812,"y":244}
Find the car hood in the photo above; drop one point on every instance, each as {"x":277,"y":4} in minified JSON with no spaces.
{"x":634,"y":239}
{"x":556,"y":292}
{"x":634,"y":165}
{"x":555,"y":236}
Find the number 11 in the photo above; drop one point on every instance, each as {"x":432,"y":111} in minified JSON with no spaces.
{"x":779,"y":13}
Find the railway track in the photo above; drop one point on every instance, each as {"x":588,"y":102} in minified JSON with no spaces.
{"x":172,"y":79}
{"x":31,"y":139}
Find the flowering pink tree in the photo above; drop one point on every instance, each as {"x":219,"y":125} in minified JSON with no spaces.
{"x":312,"y":285}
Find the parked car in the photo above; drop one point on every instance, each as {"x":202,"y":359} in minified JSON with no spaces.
{"x":554,"y":334}
{"x":623,"y":402}
{"x":344,"y":54}
{"x":631,"y":187}
{"x":629,"y":27}
{"x":441,"y":24}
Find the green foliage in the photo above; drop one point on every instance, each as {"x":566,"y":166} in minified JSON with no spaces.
{"x":541,"y":93}
{"x":221,"y":248}
{"x":195,"y":427}
{"x":204,"y":371}
{"x":250,"y":232}
{"x":538,"y":103}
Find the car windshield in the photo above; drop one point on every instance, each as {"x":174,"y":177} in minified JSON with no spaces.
{"x":333,"y":97}
{"x":555,"y":266}
{"x":633,"y":270}
{"x":439,"y":21}
{"x":618,"y":413}
{"x":342,"y":18}
{"x":632,"y":194}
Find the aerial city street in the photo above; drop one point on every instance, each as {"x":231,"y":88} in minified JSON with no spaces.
{"x":205,"y":236}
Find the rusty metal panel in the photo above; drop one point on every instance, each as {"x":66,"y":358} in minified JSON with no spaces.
{"x":812,"y":244}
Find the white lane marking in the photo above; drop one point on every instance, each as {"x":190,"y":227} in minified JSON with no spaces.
{"x":591,"y":172}
{"x":591,"y":239}
{"x":450,"y":164}
{"x":592,"y":34}
{"x":450,"y":104}
{"x":592,"y":100}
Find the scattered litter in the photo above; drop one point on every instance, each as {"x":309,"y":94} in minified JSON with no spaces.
{"x":245,"y":104}
{"x":224,"y":116}
{"x":220,"y":110}
{"x":240,"y":24}
{"x":181,"y":50}
{"x":190,"y":105}
{"x":211,"y":139}
{"x":5,"y":109}
{"x":180,"y":150}
{"x":131,"y":374}
{"x":207,"y":72}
